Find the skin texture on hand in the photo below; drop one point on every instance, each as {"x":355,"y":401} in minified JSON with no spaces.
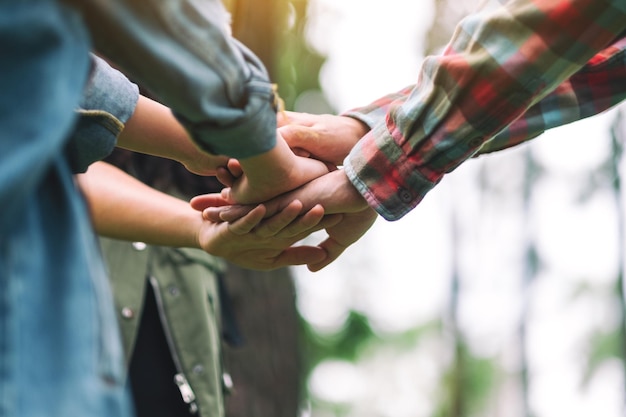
{"x":253,"y":243}
{"x":125,"y":208}
{"x":272,"y":173}
{"x":326,"y":137}
{"x":334,"y":191}
{"x":349,"y":230}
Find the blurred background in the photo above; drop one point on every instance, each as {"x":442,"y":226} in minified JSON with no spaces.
{"x":501,"y":294}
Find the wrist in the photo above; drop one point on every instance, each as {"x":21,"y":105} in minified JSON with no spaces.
{"x":357,"y":126}
{"x":276,"y":160}
{"x":354,"y":200}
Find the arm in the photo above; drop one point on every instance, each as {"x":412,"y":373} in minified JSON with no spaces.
{"x":112,"y":113}
{"x":593,"y":89}
{"x":125,"y":208}
{"x":497,"y":66}
{"x":463,"y":99}
{"x":596,"y":87}
{"x":333,"y":188}
{"x":182,"y":51}
{"x":154,"y":130}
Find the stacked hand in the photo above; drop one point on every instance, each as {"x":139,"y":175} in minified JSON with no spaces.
{"x":252,"y":242}
{"x":318,"y":140}
{"x":258,"y":179}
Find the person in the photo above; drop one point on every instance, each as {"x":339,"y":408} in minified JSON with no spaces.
{"x":507,"y":74}
{"x":60,"y":351}
{"x":154,"y":242}
{"x":168,"y":293}
{"x":167,"y":286}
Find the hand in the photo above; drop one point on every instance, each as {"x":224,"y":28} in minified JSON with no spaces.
{"x":340,"y":236}
{"x":254,"y":243}
{"x":333,"y":190}
{"x":124,"y":208}
{"x":325,"y":137}
{"x":265,"y":176}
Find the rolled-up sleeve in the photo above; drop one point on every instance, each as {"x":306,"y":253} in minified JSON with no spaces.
{"x":498,"y":65}
{"x":182,"y":52}
{"x":109,"y":100}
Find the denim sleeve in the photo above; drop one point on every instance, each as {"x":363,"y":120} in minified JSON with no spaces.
{"x":183,"y":53}
{"x":108,"y":102}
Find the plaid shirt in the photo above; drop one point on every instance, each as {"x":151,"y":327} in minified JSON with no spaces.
{"x":506,"y":76}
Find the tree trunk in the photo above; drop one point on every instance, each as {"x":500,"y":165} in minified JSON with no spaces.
{"x":266,"y":369}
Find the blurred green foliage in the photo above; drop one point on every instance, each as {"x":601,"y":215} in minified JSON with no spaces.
{"x":298,"y":65}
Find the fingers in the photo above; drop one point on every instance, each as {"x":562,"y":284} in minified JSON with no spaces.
{"x":276,"y":223}
{"x":329,"y":221}
{"x":224,"y":176}
{"x":333,"y":250}
{"x":227,"y":195}
{"x":306,"y":224}
{"x":300,"y":255}
{"x":212,"y":214}
{"x":232,"y":213}
{"x":201,"y":202}
{"x":290,"y":224}
{"x":301,"y":152}
{"x":299,"y":137}
{"x":229,"y":173}
{"x":234,"y":166}
{"x":248,"y":222}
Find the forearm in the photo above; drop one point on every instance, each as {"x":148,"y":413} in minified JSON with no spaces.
{"x":593,"y":89}
{"x":154,"y":130}
{"x":596,"y":87}
{"x":125,"y":208}
{"x":474,"y":90}
{"x":112,"y":113}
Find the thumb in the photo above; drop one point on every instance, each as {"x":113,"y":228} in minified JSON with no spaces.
{"x":298,"y":136}
{"x":203,"y":201}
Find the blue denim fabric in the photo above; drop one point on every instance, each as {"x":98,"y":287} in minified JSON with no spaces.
{"x":182,"y":52}
{"x":60,"y":354}
{"x":109,"y":101}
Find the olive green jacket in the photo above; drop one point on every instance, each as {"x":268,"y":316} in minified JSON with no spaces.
{"x":186,"y":287}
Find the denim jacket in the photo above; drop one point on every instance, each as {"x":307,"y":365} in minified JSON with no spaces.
{"x":60,"y":350}
{"x":108,"y":102}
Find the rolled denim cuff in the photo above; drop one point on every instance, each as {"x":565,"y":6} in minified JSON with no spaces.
{"x":251,"y":135}
{"x":240,"y":132}
{"x":109,"y":100}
